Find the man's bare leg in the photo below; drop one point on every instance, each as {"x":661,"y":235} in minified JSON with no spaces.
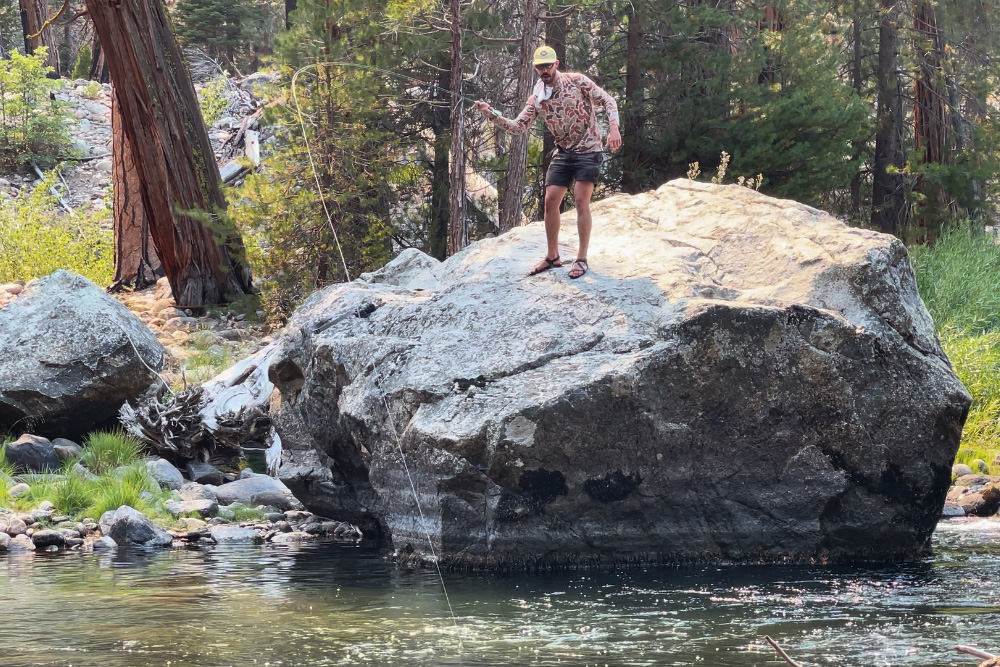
{"x":581,"y":193}
{"x":553,"y":200}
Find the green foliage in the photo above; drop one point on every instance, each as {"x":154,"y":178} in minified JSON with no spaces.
{"x":36,"y":240}
{"x":92,"y":90}
{"x":83,"y":60}
{"x":233,"y":32}
{"x":106,"y":450}
{"x":957,"y":278}
{"x":212,"y":100}
{"x":33,"y":128}
{"x":75,"y":494}
{"x":113,"y":492}
{"x":242,"y":513}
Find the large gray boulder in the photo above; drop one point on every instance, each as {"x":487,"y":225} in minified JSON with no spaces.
{"x":129,"y":527}
{"x":71,"y":357}
{"x":738,"y":377}
{"x":257,"y":490}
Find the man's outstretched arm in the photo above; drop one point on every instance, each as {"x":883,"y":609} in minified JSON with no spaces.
{"x":601,"y":98}
{"x":519,"y":125}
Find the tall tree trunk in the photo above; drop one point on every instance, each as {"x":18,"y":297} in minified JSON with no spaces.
{"x":437,"y":231}
{"x":632,"y":180}
{"x":857,"y":81}
{"x":181,"y":190}
{"x":888,"y":205}
{"x":98,"y":64}
{"x":930,"y":115}
{"x":512,"y":186}
{"x":136,"y":263}
{"x":290,"y":6}
{"x":555,"y":36}
{"x":458,"y":230}
{"x":34,"y":14}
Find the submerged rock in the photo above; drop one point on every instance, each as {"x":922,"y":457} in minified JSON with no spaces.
{"x":72,"y":356}
{"x":737,"y":377}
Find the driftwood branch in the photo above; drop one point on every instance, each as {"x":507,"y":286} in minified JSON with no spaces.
{"x":974,"y":652}
{"x":781,"y":652}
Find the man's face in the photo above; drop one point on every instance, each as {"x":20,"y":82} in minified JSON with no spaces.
{"x":547,"y":72}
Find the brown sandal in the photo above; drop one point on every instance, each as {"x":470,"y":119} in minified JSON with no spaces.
{"x":545,"y":265}
{"x":578,"y":268}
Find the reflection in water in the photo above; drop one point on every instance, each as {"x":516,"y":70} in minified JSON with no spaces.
{"x":325,"y":604}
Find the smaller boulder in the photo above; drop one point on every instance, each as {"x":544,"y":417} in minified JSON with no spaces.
{"x":960,"y":470}
{"x":204,"y":473}
{"x":257,"y":490}
{"x":66,"y":449}
{"x":4,"y":541}
{"x":235,"y":535}
{"x":983,"y":503}
{"x":204,"y":507}
{"x":165,"y":473}
{"x":130,"y":527}
{"x":979,"y":465}
{"x":33,"y":453}
{"x":18,"y":490}
{"x":21,"y":543}
{"x":104,"y":544}
{"x":47,"y":538}
{"x":293,"y":537}
{"x":195,"y":491}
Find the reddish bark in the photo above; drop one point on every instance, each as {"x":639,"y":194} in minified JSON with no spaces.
{"x":34,"y":14}
{"x":136,"y":263}
{"x":180,"y":185}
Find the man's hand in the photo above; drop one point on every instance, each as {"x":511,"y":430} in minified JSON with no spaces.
{"x":483,"y":107}
{"x":614,"y":139}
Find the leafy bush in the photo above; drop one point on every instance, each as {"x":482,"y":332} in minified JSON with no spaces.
{"x":212,"y":100}
{"x":107,"y":450}
{"x":82,"y":68}
{"x":33,"y":127}
{"x":35,"y":241}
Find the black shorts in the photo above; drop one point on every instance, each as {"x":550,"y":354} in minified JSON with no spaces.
{"x":567,"y":167}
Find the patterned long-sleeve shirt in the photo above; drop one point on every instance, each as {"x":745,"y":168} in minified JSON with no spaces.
{"x":568,"y":109}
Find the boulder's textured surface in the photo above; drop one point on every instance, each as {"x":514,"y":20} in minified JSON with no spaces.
{"x":165,"y":473}
{"x":130,"y":527}
{"x":737,"y":377}
{"x":32,"y":453}
{"x":71,"y":357}
{"x":257,"y":490}
{"x":204,"y":473}
{"x":235,"y":535}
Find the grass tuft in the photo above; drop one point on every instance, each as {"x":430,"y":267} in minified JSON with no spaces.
{"x":106,"y":450}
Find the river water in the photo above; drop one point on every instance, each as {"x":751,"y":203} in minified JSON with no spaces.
{"x":327,"y":604}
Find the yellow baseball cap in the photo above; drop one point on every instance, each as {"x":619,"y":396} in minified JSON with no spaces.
{"x":544,"y":55}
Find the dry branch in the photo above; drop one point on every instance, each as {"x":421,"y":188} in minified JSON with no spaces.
{"x":781,"y":652}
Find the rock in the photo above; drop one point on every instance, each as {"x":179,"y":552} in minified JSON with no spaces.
{"x":104,"y":544}
{"x":21,"y":543}
{"x":257,"y":490}
{"x":952,"y":511}
{"x":69,"y":361}
{"x":18,"y":490}
{"x":234,"y":534}
{"x":46,"y":506}
{"x":48,"y":538}
{"x":41,"y":515}
{"x":4,"y":541}
{"x":204,"y":508}
{"x":130,"y":527}
{"x":246,"y":473}
{"x":13,"y":526}
{"x":66,"y":449}
{"x":203,"y":473}
{"x":556,"y":421}
{"x":163,"y":290}
{"x":295,"y":536}
{"x":165,"y":473}
{"x":979,"y":465}
{"x":10,"y":288}
{"x":191,"y":524}
{"x":960,"y":470}
{"x":195,"y":491}
{"x":31,"y":453}
{"x":79,"y":145}
{"x":80,"y":470}
{"x":982,"y":503}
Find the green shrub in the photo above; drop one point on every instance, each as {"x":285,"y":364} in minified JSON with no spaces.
{"x":35,"y":241}
{"x":32,"y":126}
{"x":113,"y":492}
{"x":212,"y":100}
{"x":74,"y":493}
{"x":107,"y":450}
{"x":82,"y":68}
{"x":243,"y":513}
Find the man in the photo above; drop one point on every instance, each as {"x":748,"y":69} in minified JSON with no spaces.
{"x":566,"y":102}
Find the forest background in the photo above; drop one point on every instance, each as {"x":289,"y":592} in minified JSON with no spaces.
{"x":882,"y":112}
